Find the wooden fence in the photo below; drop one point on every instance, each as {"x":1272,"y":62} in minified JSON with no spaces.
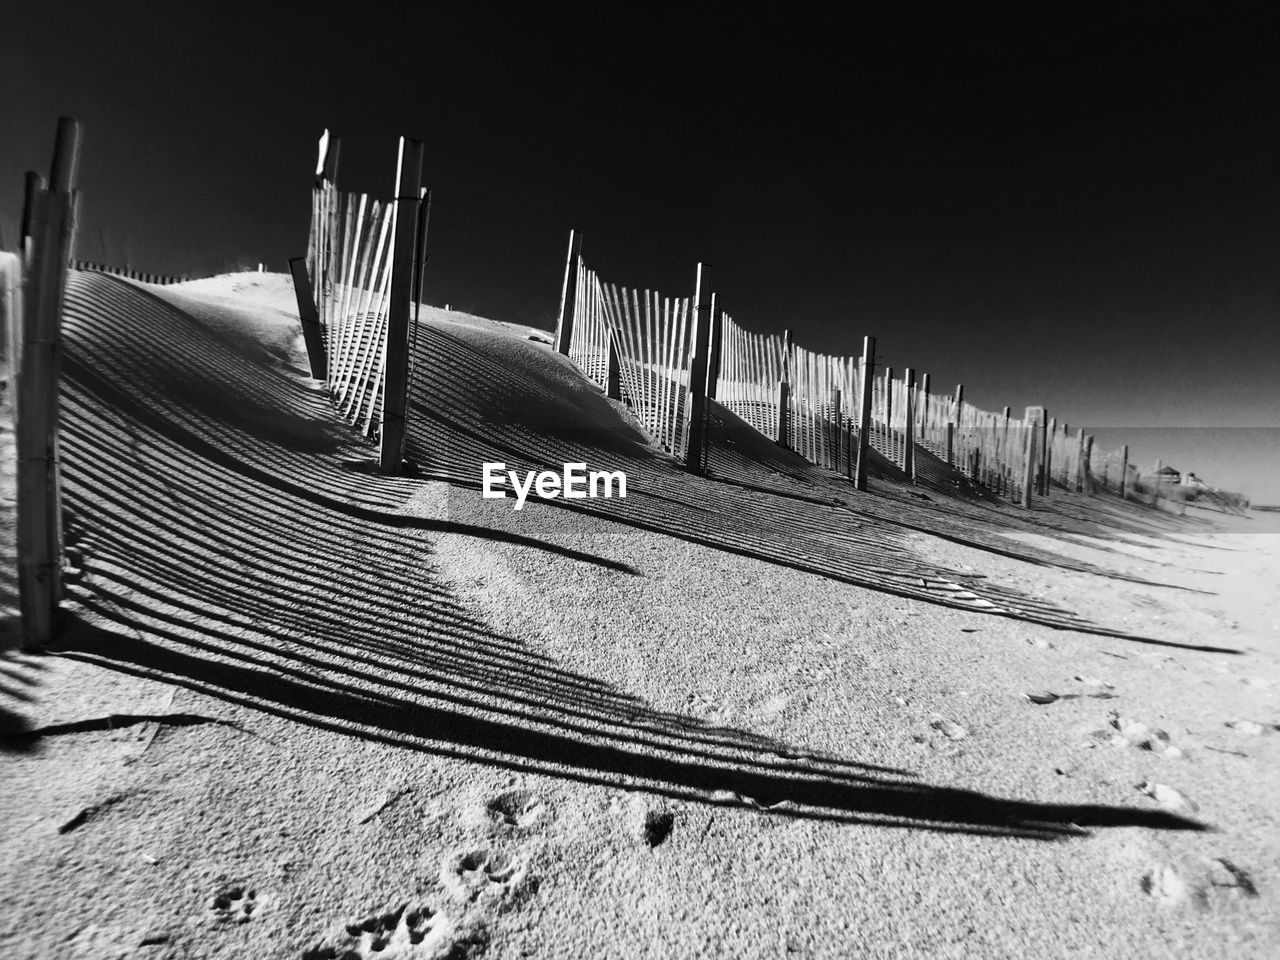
{"x":643,"y":348}
{"x":1112,"y":471}
{"x":356,"y":287}
{"x":751,"y":369}
{"x":142,"y":276}
{"x":638,"y":348}
{"x":349,"y":261}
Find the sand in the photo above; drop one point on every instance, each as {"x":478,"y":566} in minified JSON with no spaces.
{"x":302,"y":711}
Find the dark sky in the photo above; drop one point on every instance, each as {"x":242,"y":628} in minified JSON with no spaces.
{"x":1080,"y":210}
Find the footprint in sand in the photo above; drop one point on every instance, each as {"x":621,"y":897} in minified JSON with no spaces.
{"x":1124,"y":732}
{"x":233,"y":904}
{"x":515,"y":811}
{"x":1201,"y":884}
{"x":416,"y":930}
{"x":481,"y":873}
{"x":1165,"y":885}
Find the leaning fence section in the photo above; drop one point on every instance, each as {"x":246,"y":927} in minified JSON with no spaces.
{"x":651,"y":334}
{"x":635,"y":345}
{"x":349,"y":261}
{"x":359,"y":291}
{"x":593,"y":347}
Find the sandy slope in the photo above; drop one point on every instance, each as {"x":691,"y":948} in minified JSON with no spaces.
{"x":725,"y":718}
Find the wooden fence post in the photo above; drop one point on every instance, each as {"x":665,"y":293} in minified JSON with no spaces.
{"x":783,"y":400}
{"x":867,"y":367}
{"x":888,"y":415}
{"x":309,"y":317}
{"x":569,"y":294}
{"x":924,"y":409}
{"x":420,"y":254}
{"x":1032,"y":419}
{"x":1124,"y":469}
{"x":1087,"y":465}
{"x":329,"y":162}
{"x":34,"y":185}
{"x":713,"y":352}
{"x":1078,"y":480}
{"x":52,"y":226}
{"x":613,"y":384}
{"x":909,"y":438}
{"x":11,"y":312}
{"x":954,"y":431}
{"x":395,"y":393}
{"x":850,"y":444}
{"x":1006,"y":477}
{"x":1050,"y":433}
{"x":837,"y":438}
{"x":696,"y":404}
{"x":1043,"y":442}
{"x":784,"y":390}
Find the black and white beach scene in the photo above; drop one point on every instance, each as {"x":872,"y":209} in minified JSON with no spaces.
{"x":574,"y":482}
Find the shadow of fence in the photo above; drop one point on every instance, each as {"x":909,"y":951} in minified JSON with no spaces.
{"x":205,"y":554}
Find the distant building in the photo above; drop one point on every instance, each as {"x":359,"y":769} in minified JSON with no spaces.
{"x":1166,"y":474}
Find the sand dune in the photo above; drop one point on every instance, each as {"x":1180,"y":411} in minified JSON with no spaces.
{"x":365,"y":716}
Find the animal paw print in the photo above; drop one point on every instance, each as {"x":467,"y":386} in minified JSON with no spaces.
{"x":374,"y":933}
{"x":408,"y":931}
{"x":419,"y":923}
{"x":472,"y":874}
{"x":515,"y":810}
{"x":233,"y":904}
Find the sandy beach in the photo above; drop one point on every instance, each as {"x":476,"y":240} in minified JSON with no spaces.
{"x":300,"y":710}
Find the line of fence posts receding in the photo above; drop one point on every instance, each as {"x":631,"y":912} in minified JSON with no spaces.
{"x":142,"y":276}
{"x":358,"y":291}
{"x":667,"y":358}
